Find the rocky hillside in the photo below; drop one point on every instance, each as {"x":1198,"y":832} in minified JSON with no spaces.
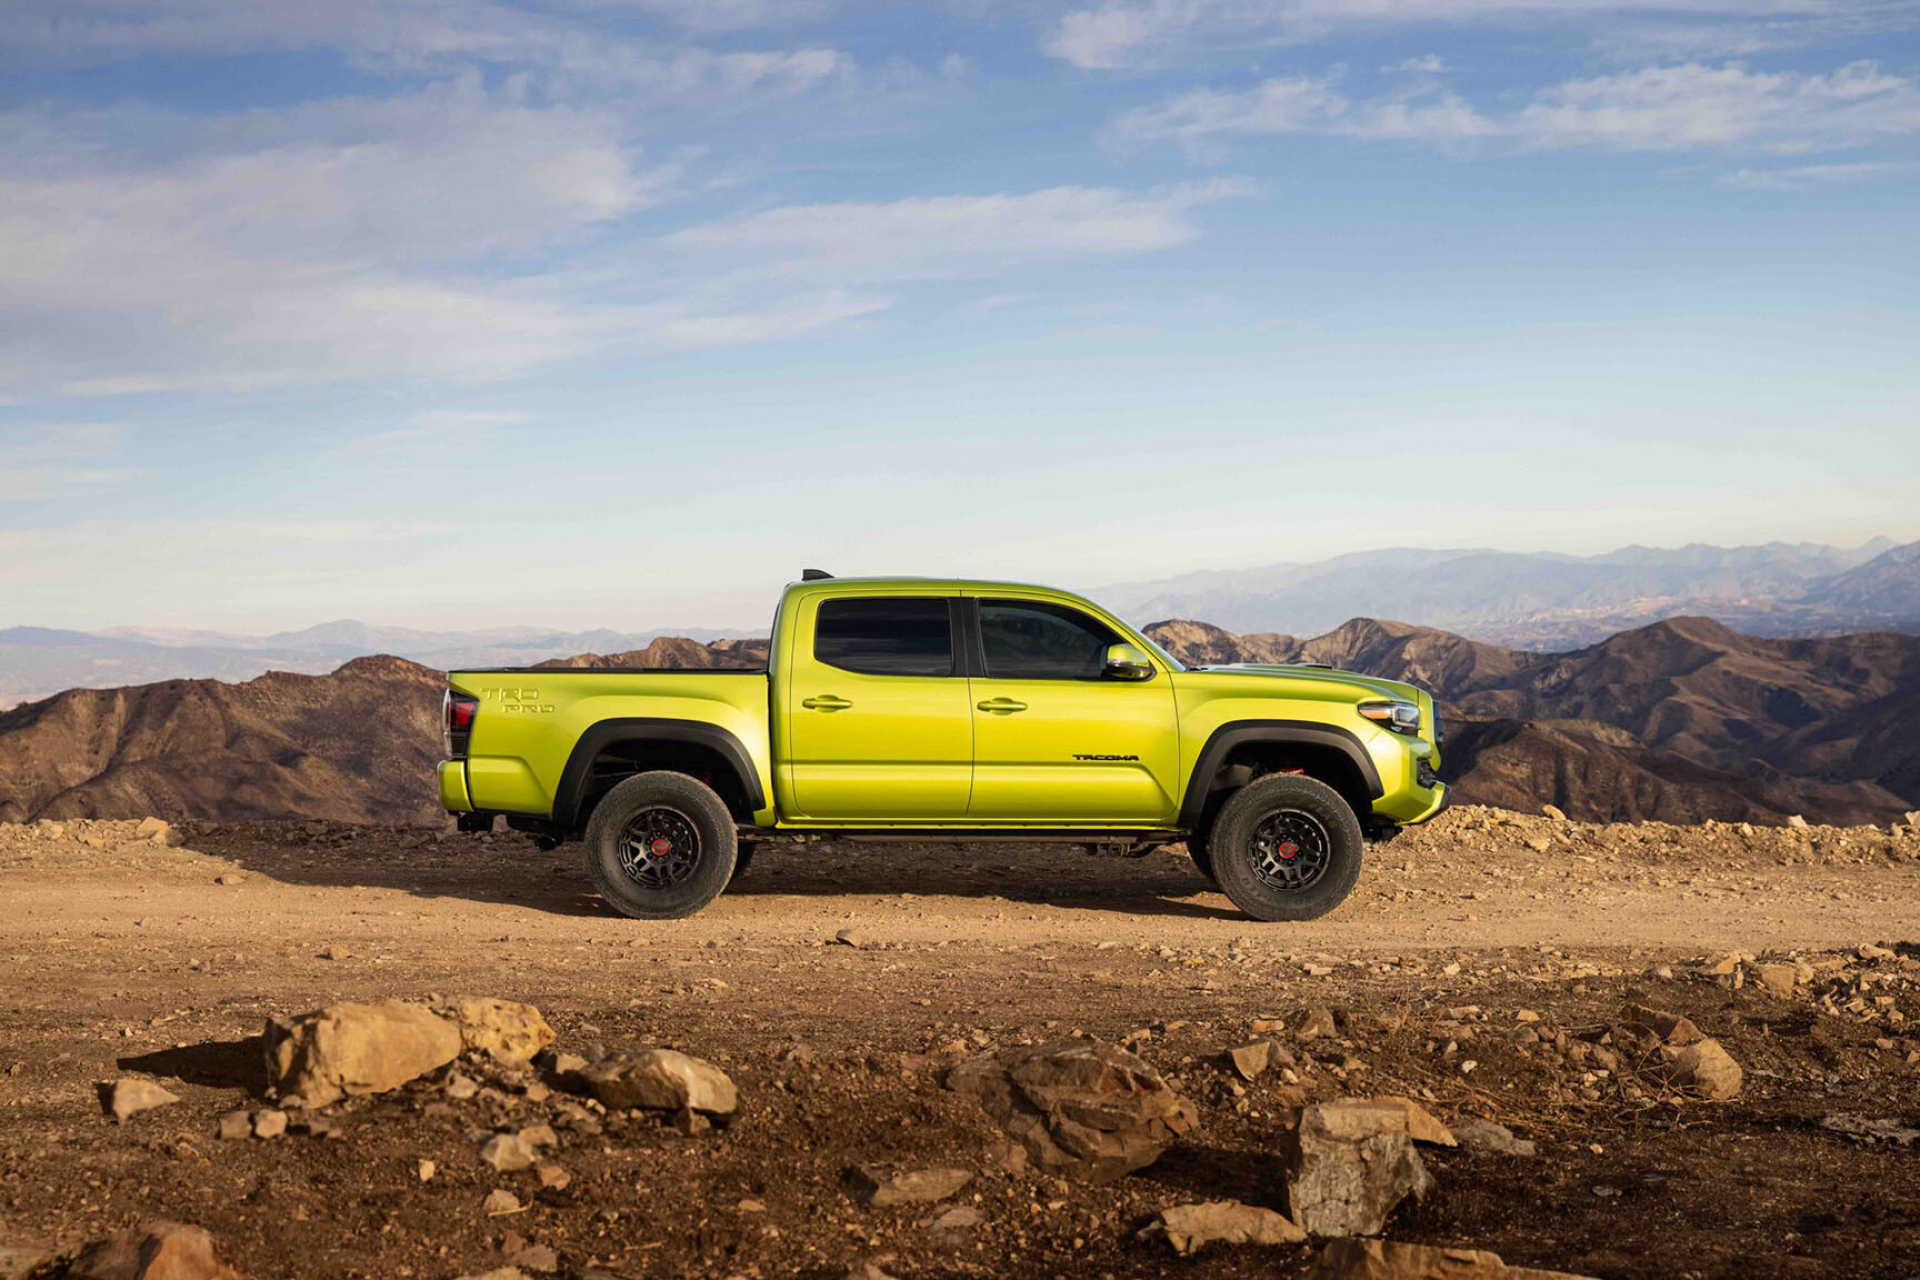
{"x":1679,"y":721}
{"x":1682,"y":719}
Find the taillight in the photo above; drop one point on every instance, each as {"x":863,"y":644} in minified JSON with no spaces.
{"x":459,"y":710}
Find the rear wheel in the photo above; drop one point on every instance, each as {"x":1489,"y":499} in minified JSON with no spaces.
{"x":660,"y":845}
{"x":1286,"y":847}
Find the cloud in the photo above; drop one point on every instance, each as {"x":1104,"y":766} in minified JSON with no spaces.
{"x":570,"y":55}
{"x":949,"y":235}
{"x":1673,"y":108}
{"x":53,"y":460}
{"x":1803,"y":177}
{"x":1653,"y":109}
{"x":1124,"y":33}
{"x":1427,"y":64}
{"x":1201,"y":119}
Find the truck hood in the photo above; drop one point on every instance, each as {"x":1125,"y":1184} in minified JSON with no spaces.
{"x":1317,"y":675}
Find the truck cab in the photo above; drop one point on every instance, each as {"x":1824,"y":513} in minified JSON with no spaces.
{"x":903,"y":708}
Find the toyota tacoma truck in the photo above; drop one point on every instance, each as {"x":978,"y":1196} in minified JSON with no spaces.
{"x":924,"y":710}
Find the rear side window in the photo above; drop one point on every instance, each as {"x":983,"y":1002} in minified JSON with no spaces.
{"x":885,"y":636}
{"x":1034,"y":641}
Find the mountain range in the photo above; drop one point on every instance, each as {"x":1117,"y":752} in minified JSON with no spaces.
{"x":1681,"y":720}
{"x":1527,"y":601}
{"x":1548,"y":601}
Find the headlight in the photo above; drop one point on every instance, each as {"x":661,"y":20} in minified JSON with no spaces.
{"x":1401,"y":717}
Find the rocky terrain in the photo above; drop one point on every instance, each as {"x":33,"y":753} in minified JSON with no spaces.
{"x":1682,"y":721}
{"x":1626,"y":1050}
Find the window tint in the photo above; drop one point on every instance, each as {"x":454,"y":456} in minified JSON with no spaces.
{"x":1042,"y":642}
{"x":885,"y":636}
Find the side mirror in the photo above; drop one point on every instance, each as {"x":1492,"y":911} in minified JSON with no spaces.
{"x":1124,"y":662}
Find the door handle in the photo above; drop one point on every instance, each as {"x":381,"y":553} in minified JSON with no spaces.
{"x":1001,"y":706}
{"x":826,"y":702}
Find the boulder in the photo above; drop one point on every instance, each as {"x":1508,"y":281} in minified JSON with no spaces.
{"x":19,"y":1261}
{"x":1484,"y":1135}
{"x":661,"y":1080}
{"x":356,"y":1049}
{"x":1250,"y":1061}
{"x":123,"y":1099}
{"x":1381,"y":1260}
{"x":508,"y":1152}
{"x":1705,"y":1068}
{"x":1078,"y":1107}
{"x":1348,"y":1167}
{"x":1670,"y":1027}
{"x":156,"y":1250}
{"x":1190,"y":1227}
{"x":506,"y":1027}
{"x":1776,"y":979}
{"x":1357,"y":1117}
{"x":879,"y":1188}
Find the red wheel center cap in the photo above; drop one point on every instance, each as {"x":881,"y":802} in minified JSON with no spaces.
{"x":660,"y":848}
{"x":1288,"y":849}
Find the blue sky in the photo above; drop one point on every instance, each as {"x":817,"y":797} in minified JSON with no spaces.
{"x":619,"y":312}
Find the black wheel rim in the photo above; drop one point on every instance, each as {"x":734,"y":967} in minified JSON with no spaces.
{"x":659,"y":848}
{"x":1291,"y":850}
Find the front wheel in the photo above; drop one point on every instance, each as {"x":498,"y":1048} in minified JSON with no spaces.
{"x":660,"y":845}
{"x":1286,"y":847}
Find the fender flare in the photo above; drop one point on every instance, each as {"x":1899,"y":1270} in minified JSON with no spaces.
{"x":570,"y":795}
{"x":1237,"y":733}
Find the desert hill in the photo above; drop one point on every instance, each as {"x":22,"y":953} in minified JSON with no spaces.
{"x":1683,"y":718}
{"x":1679,"y":721}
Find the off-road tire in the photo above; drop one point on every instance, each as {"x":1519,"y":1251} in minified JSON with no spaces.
{"x":1260,"y":822}
{"x":664,"y":885}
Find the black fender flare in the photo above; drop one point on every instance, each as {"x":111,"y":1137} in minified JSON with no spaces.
{"x":571,"y":794}
{"x":1238,"y":733}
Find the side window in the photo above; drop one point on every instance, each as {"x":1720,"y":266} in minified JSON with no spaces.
{"x":885,"y":636}
{"x":1034,"y":641}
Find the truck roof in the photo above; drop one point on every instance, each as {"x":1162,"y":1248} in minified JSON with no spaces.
{"x":958,"y":584}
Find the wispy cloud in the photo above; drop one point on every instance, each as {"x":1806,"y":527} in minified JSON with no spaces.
{"x":1123,"y":33}
{"x":1809,"y":176}
{"x":1653,"y":109}
{"x":53,"y":460}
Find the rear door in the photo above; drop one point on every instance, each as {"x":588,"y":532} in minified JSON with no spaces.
{"x":879,"y":723}
{"x":1052,"y":738}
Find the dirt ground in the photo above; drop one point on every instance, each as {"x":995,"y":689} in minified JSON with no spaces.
{"x":1477,"y":966}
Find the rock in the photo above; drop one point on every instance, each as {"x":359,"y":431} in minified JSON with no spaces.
{"x":461,"y":1087}
{"x":501,"y":1202}
{"x":1348,"y":1118}
{"x":1670,"y":1027}
{"x":506,"y":1027}
{"x":1347,"y":1169}
{"x":1554,"y":811}
{"x":234,"y":1126}
{"x":1190,"y":1227}
{"x":1704,"y":1068}
{"x":1476,"y":1134}
{"x":1776,"y":979}
{"x":1317,"y":1022}
{"x":151,"y":827}
{"x":425,"y":1169}
{"x":879,"y":1188}
{"x":1078,"y":1107}
{"x":690,"y":1122}
{"x":229,"y":878}
{"x":1250,"y":1060}
{"x":1797,"y":822}
{"x":156,"y":1250}
{"x":865,"y":1270}
{"x":958,"y":1218}
{"x":661,"y":1080}
{"x":563,"y":1069}
{"x":850,"y":938}
{"x":552,"y":1177}
{"x":540,"y":1135}
{"x":1539,"y":844}
{"x":123,"y":1099}
{"x":507,"y":1152}
{"x":498,"y":1273}
{"x":1872,"y":1130}
{"x":18,"y":1262}
{"x":1380,"y":1260}
{"x":537,"y":1258}
{"x":356,"y":1049}
{"x":269,"y":1122}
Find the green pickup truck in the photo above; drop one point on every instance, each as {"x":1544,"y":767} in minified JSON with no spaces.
{"x":935,"y":710}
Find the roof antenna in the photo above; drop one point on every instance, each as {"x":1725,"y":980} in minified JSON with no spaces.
{"x":814,"y":575}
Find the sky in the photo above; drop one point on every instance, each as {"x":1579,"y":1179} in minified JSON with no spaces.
{"x":621,"y":312}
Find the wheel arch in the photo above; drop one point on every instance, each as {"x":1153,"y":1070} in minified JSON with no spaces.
{"x":612,"y":750}
{"x":1324,"y":752}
